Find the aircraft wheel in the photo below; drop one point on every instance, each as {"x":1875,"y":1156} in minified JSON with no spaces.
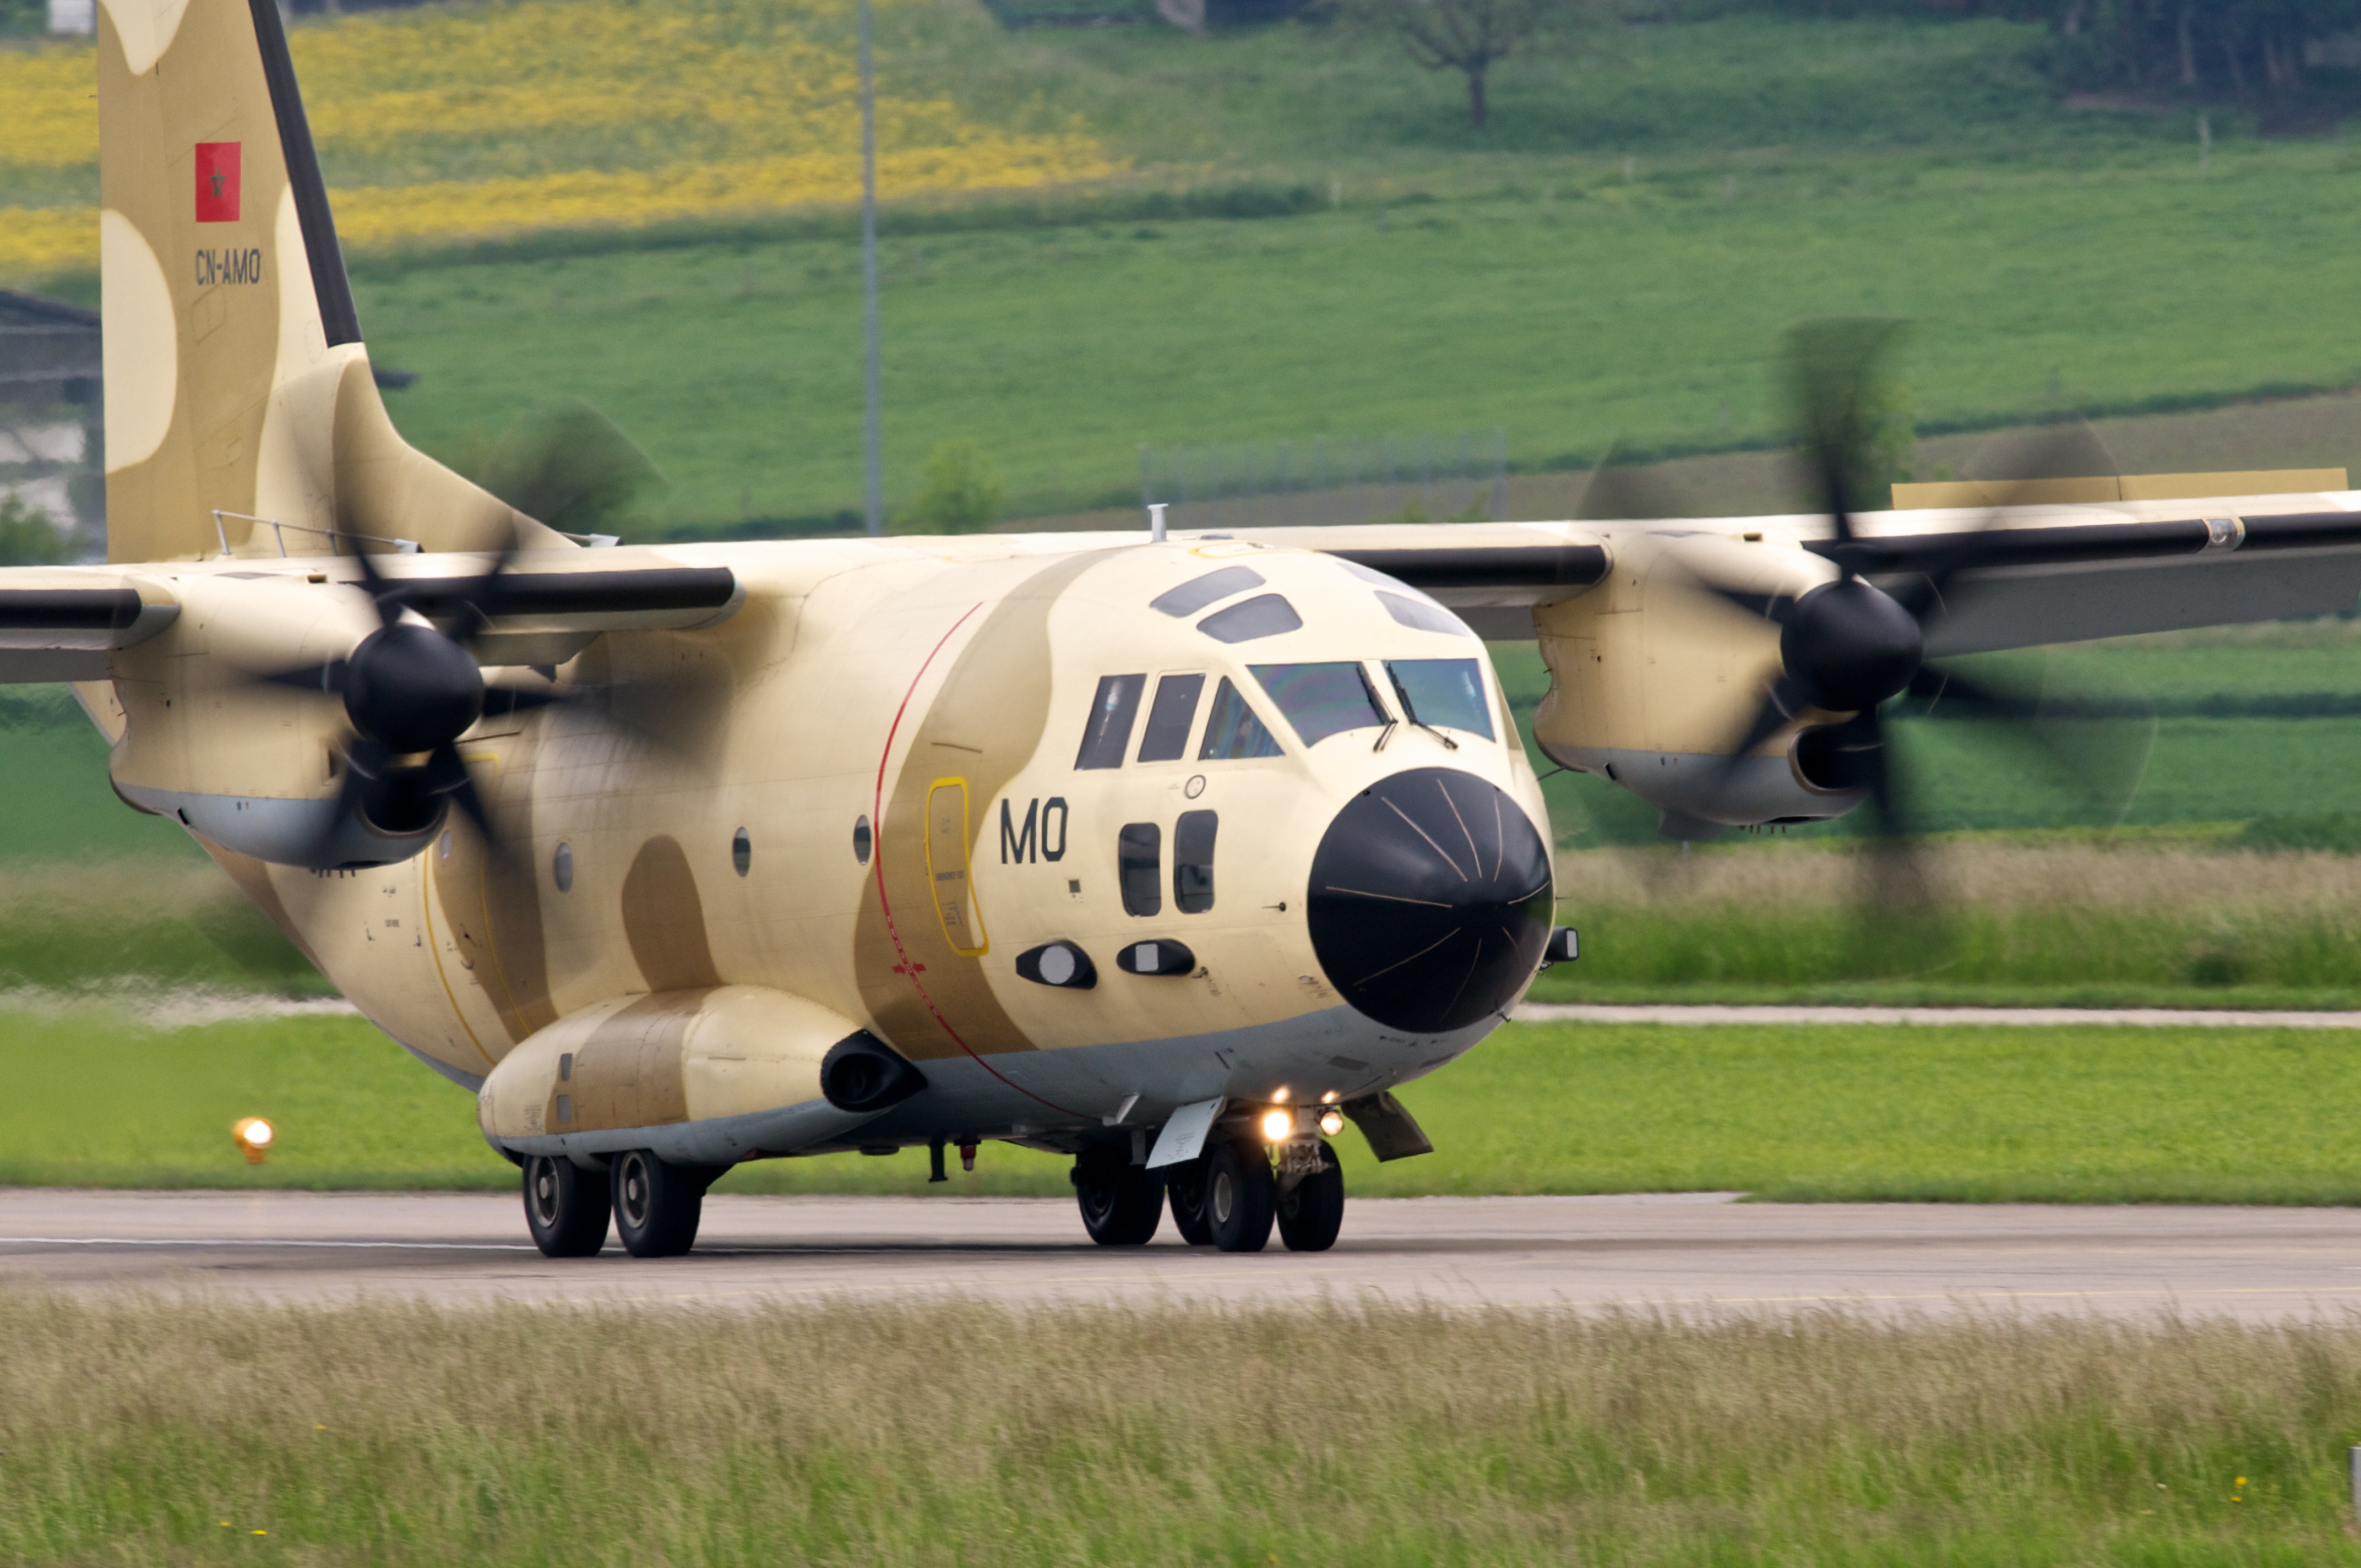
{"x":1121,"y":1204}
{"x":1239,"y":1197}
{"x":1311,"y":1211}
{"x":1187,"y":1186}
{"x":658,"y":1203}
{"x":565,"y":1207}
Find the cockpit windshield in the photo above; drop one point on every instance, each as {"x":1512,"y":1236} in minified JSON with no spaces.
{"x":1323,"y":699}
{"x":1447,"y":694}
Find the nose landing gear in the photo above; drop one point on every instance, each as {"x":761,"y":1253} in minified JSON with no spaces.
{"x":1230,"y":1197}
{"x":1310,"y":1208}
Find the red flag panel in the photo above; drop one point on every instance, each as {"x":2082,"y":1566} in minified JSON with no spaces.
{"x":217,"y":181}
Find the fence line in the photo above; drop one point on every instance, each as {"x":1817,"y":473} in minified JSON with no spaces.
{"x":1460,"y":477}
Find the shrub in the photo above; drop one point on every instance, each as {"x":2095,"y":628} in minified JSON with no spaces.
{"x":965,"y":491}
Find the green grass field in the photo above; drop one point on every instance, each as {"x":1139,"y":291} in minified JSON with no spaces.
{"x":202,"y":1432}
{"x":2082,"y":1114}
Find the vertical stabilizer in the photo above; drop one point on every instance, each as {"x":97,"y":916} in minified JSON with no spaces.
{"x":241,"y":414}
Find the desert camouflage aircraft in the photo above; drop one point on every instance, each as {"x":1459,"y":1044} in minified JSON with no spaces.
{"x":1170,"y":854}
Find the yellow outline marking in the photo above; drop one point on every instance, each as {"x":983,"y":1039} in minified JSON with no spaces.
{"x":966,"y":872}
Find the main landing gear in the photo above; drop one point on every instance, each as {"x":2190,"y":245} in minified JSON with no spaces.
{"x":1228,"y":1198}
{"x":653,"y":1204}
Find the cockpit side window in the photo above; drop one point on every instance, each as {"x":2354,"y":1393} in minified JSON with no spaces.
{"x":1170,"y":718}
{"x":1445,"y":693}
{"x":1265,"y":614}
{"x":1323,"y":699}
{"x":1232,"y":730}
{"x":1198,"y":592}
{"x":1108,"y":734}
{"x":1423,"y":614}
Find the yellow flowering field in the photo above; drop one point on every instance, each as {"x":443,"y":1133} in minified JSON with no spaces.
{"x":453,"y":123}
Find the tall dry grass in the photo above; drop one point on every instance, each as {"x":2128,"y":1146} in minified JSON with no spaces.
{"x":2151,"y":922}
{"x":2163,"y":879}
{"x":150,"y":1431}
{"x":138,"y":925}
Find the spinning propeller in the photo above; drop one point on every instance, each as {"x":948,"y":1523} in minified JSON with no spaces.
{"x":1854,"y":646}
{"x":410,"y":689}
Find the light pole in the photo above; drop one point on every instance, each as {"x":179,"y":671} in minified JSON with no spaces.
{"x":873,"y":416}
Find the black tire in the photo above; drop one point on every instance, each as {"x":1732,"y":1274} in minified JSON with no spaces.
{"x":1239,"y":1197}
{"x":1311,"y":1211}
{"x":567,"y":1208}
{"x":658,"y":1203}
{"x":1187,"y":1186}
{"x":1121,"y":1204}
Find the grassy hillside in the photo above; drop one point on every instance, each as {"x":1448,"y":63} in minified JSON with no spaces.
{"x":1613,"y":257}
{"x":1566,"y":316}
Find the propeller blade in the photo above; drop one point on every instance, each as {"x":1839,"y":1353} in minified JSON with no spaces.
{"x":1623,"y":490}
{"x":570,"y":466}
{"x":2064,"y":449}
{"x":365,"y":763}
{"x":2099,"y":747}
{"x":479,"y":600}
{"x":1833,"y":366}
{"x":383,"y":593}
{"x":328,"y":677}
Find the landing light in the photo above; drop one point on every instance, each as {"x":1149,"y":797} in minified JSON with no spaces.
{"x":1280,"y":1094}
{"x":253,"y":1135}
{"x":1277,"y":1126}
{"x":1332,"y":1122}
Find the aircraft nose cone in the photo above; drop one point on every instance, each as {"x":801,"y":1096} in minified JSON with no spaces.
{"x":1430,"y":900}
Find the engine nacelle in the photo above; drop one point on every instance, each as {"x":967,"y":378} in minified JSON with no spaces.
{"x":1655,"y":679}
{"x":253,"y":766}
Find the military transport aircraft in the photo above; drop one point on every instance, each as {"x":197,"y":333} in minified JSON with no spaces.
{"x":1169,"y":854}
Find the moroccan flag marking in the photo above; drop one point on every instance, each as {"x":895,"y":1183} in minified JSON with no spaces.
{"x":217,"y":181}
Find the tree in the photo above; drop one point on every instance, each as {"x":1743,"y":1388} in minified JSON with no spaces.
{"x":1471,"y":36}
{"x":964,"y":491}
{"x":2235,"y":46}
{"x":27,"y":537}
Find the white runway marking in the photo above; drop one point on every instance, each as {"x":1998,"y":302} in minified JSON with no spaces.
{"x":250,"y":1242}
{"x":1685,"y":1251}
{"x":2016,"y":1018}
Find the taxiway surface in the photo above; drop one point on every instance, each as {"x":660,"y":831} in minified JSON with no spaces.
{"x":1688,"y":1252}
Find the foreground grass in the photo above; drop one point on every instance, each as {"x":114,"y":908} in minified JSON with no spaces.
{"x":2083,"y":1114}
{"x":200,"y":1432}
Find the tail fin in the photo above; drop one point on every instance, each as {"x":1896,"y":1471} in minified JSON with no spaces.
{"x":241,"y":414}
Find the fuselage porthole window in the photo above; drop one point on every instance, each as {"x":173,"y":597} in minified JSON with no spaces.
{"x":1232,"y":731}
{"x":1107,"y":735}
{"x":860,"y":839}
{"x":1140,"y":868}
{"x":742,"y":853}
{"x":561,"y":868}
{"x":1193,"y":861}
{"x":1171,"y":718}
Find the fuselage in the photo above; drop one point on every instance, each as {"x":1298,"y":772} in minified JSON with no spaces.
{"x":1046,"y":821}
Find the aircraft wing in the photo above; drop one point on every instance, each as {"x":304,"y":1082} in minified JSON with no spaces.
{"x":59,"y":623}
{"x":2043,"y":573}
